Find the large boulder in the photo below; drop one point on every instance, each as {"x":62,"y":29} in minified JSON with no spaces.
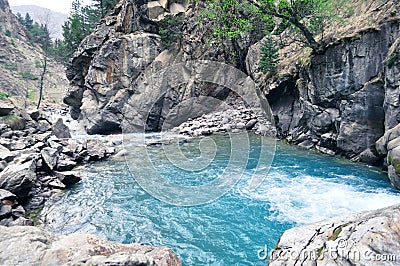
{"x":19,"y":178}
{"x":5,"y":108}
{"x":34,"y":246}
{"x":369,"y":238}
{"x":60,"y":130}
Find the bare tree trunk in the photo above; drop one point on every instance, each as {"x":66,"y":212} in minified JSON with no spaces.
{"x":42,"y":80}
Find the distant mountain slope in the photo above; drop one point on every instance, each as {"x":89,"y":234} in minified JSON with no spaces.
{"x":54,"y":20}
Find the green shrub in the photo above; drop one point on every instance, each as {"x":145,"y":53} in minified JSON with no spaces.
{"x":392,"y":60}
{"x":8,"y":33}
{"x":31,"y":94}
{"x":38,"y":64}
{"x":11,"y":66}
{"x":14,"y":122}
{"x":3,"y":95}
{"x":171,"y":30}
{"x":28,"y":75}
{"x":12,"y":42}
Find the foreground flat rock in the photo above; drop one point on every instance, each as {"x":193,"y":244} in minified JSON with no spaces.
{"x":34,"y":246}
{"x":369,"y":238}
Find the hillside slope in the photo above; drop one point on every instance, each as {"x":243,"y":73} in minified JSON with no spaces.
{"x":21,"y":62}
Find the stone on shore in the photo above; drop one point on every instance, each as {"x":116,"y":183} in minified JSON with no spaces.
{"x":18,"y":178}
{"x":5,"y":108}
{"x":368,"y":238}
{"x":34,"y":246}
{"x":96,"y":149}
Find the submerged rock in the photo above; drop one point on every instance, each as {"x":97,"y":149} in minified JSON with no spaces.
{"x":68,"y":178}
{"x":368,"y":238}
{"x":34,"y":246}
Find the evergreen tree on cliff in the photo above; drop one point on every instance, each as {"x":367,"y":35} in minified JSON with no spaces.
{"x":81,"y":23}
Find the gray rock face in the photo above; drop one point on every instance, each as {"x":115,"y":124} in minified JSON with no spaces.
{"x":394,"y":177}
{"x":369,"y":238}
{"x":34,"y":246}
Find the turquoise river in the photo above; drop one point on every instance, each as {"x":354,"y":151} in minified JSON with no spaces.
{"x":300,"y":187}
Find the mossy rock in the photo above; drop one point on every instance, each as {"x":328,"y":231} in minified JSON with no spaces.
{"x":396,"y":165}
{"x":14,"y":122}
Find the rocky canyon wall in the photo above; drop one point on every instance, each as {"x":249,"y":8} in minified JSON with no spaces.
{"x":111,"y":62}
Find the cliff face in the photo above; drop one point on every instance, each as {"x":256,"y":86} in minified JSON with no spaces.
{"x":344,"y":99}
{"x":21,"y":62}
{"x":104,"y":72}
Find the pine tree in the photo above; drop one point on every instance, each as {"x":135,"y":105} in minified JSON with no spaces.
{"x":21,"y":20}
{"x":28,"y":22}
{"x":269,"y":56}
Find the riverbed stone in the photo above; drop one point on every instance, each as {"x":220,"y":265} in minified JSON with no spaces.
{"x":18,"y":212}
{"x":5,"y":211}
{"x":34,"y":114}
{"x":6,"y":195}
{"x":43,"y":126}
{"x":55,"y":183}
{"x":65,"y":164}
